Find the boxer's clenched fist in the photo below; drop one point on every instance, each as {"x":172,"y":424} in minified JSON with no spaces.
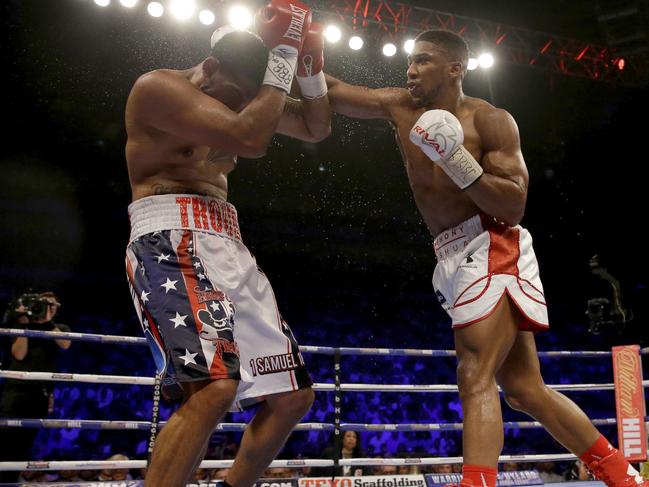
{"x":283,"y":25}
{"x":439,"y":135}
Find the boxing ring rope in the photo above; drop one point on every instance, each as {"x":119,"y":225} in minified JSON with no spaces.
{"x":116,"y":339}
{"x":337,"y":426}
{"x":320,"y":387}
{"x":210,"y":464}
{"x":92,"y":424}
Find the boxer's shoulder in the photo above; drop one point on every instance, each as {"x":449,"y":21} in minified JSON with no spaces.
{"x":494,"y":124}
{"x":158,"y":83}
{"x":398,"y":103}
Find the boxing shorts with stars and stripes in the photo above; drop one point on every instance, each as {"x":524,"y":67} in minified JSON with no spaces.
{"x":479,"y":262}
{"x":207,"y":310}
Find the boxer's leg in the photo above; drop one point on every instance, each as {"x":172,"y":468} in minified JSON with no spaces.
{"x":524,"y":390}
{"x":521,"y":381}
{"x":184,"y":436}
{"x":481,"y":349}
{"x":265,"y":435}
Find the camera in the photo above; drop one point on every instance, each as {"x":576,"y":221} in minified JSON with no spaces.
{"x":34,"y":307}
{"x":607,"y":310}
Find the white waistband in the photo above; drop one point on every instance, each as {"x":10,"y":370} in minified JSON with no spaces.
{"x":454,"y":240}
{"x":183,"y":211}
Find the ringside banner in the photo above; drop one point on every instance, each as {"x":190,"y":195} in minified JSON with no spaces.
{"x":629,"y":402}
{"x":523,"y":477}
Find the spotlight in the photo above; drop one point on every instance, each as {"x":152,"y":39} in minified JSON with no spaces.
{"x":485,"y":60}
{"x":182,"y":9}
{"x":155,"y":9}
{"x":355,"y":43}
{"x":621,"y":64}
{"x":240,"y":17}
{"x":389,"y":49}
{"x":409,"y":45}
{"x":128,"y":3}
{"x":206,"y":17}
{"x":473,"y":64}
{"x":332,"y":33}
{"x":103,"y":3}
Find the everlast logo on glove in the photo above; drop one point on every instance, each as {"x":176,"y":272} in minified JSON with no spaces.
{"x":294,"y":30}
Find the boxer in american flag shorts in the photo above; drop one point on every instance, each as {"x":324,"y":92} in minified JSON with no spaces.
{"x":206,"y":308}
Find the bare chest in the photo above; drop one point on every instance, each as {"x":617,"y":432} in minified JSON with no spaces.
{"x":441,"y":203}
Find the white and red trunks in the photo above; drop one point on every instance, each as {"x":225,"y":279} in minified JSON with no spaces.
{"x":481,"y":260}
{"x":206,"y":308}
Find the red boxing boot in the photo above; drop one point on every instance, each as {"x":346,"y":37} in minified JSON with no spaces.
{"x":615,"y":471}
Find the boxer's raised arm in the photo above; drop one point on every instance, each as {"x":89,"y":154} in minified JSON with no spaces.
{"x":308,"y":120}
{"x":172,"y":105}
{"x":362,"y":102}
{"x":502,"y":190}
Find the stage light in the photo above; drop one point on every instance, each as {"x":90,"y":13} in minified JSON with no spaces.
{"x":128,"y":3}
{"x":389,"y":49}
{"x":206,"y":17}
{"x":409,"y":45}
{"x":485,"y":60}
{"x":355,"y":43}
{"x":103,"y":3}
{"x":240,"y":17}
{"x":182,"y":9}
{"x":621,"y":64}
{"x":155,"y":9}
{"x":332,"y":33}
{"x":473,"y":64}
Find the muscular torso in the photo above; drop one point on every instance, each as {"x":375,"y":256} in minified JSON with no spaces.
{"x":161,"y":163}
{"x":441,"y":203}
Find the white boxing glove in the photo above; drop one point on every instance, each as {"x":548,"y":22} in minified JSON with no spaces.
{"x":439,"y":135}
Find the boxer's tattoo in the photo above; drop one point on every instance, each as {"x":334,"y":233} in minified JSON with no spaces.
{"x":293,"y":107}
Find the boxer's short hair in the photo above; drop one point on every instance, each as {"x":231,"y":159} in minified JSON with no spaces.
{"x":455,"y":46}
{"x":242,"y":53}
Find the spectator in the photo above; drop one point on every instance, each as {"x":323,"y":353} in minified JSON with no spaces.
{"x":579,"y":471}
{"x":510,"y":467}
{"x":443,"y":468}
{"x":350,"y":448}
{"x":219,"y":474}
{"x":115,"y":473}
{"x":548,"y":472}
{"x":29,"y":399}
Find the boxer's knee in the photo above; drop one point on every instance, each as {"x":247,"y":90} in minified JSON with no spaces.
{"x":210,"y":396}
{"x":473,"y":378}
{"x":294,"y":404}
{"x":527,"y":396}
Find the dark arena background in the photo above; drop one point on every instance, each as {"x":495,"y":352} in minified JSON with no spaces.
{"x":333,"y":224}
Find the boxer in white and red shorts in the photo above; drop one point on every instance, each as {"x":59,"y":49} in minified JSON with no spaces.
{"x":463,"y":159}
{"x":480,"y":261}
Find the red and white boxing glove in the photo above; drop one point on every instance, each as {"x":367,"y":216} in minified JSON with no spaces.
{"x":283,"y":25}
{"x":439,"y":135}
{"x":310,"y":63}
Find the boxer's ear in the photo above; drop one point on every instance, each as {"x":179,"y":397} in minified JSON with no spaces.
{"x":455,"y":69}
{"x":210,"y":66}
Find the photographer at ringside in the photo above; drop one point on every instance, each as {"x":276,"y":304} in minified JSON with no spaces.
{"x":28,"y":398}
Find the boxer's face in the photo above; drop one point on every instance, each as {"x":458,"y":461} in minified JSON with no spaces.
{"x":429,"y":71}
{"x":233,"y":91}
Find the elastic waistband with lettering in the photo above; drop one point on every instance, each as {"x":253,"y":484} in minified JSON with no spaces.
{"x":454,"y":240}
{"x":183,"y":212}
